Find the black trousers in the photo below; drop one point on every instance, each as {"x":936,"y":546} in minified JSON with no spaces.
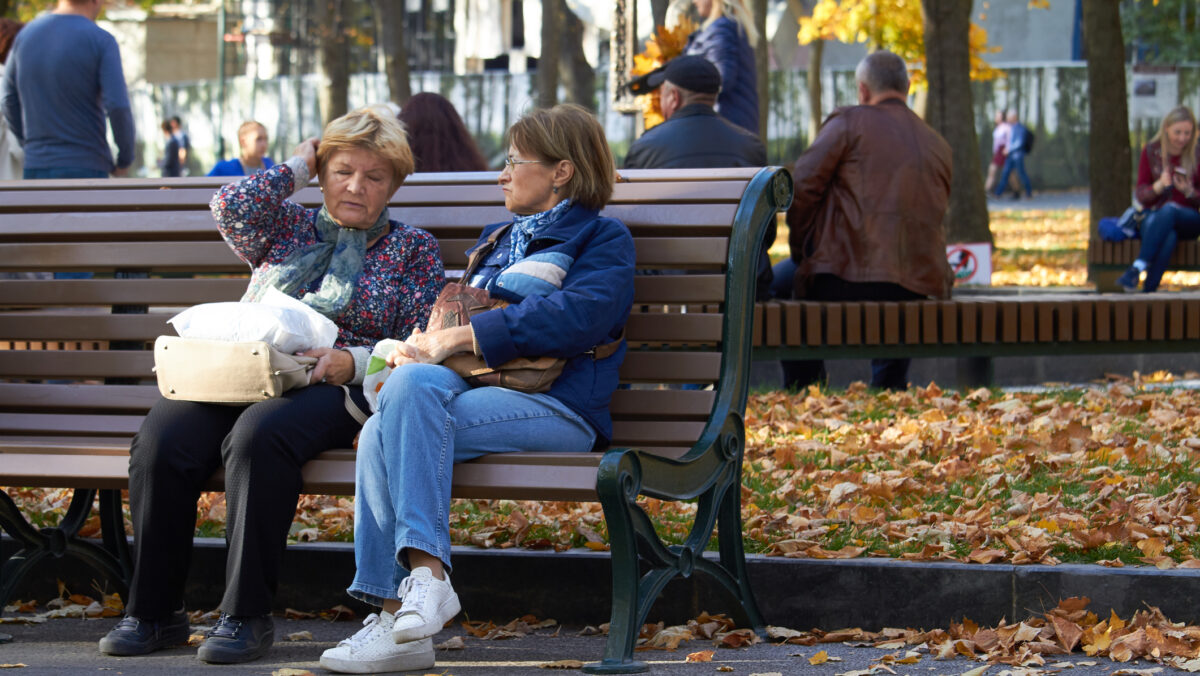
{"x":262,"y":448}
{"x":885,"y":373}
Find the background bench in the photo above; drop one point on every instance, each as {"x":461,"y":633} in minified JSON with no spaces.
{"x":1107,"y":260}
{"x":979,"y":328}
{"x":76,"y":378}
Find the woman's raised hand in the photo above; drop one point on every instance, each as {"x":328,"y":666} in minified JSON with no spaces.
{"x":307,"y":150}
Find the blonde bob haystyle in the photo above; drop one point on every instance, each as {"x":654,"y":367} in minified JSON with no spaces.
{"x":374,"y":128}
{"x":569,"y":132}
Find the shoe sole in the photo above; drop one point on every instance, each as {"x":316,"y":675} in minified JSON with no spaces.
{"x":450,"y":607}
{"x":222,"y":655}
{"x":419,"y":660}
{"x":118,"y":648}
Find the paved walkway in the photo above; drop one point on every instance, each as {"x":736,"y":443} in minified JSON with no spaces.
{"x":68,"y":646}
{"x":1055,"y":199}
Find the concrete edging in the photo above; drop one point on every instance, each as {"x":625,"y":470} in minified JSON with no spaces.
{"x":574,"y":587}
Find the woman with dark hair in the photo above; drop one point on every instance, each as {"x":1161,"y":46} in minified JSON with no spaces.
{"x":567,"y":273}
{"x":12,"y":156}
{"x":438,"y":137}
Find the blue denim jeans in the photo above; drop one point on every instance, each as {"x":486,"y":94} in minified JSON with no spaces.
{"x":64,"y":172}
{"x":429,"y":419}
{"x":1014,"y":161}
{"x":1161,"y":231}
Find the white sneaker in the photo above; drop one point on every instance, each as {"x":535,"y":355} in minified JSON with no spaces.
{"x":429,"y":603}
{"x":372,"y":650}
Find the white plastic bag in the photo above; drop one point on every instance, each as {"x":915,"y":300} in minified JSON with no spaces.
{"x":285,"y":323}
{"x":378,"y":371}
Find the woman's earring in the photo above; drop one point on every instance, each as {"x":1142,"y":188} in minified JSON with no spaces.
{"x":555,"y":190}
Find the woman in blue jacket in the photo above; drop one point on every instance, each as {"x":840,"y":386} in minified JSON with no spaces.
{"x":727,"y":37}
{"x":568,"y":275}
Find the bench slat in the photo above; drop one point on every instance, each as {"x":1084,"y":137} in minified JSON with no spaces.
{"x":700,"y":252}
{"x":198,"y":225}
{"x":27,"y":397}
{"x":654,"y":366}
{"x":703,"y":288}
{"x":67,"y":325}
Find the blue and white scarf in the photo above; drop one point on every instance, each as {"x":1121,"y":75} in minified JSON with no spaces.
{"x":524,"y":228}
{"x":336,"y":258}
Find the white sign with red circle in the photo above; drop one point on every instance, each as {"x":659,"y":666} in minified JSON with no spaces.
{"x":971,"y":263}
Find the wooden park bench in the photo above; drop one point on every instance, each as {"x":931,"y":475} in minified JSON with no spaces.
{"x":1107,"y":260}
{"x":75,"y":377}
{"x":979,"y":328}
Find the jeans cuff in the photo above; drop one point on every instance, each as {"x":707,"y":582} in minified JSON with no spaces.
{"x":371,"y":594}
{"x":413,"y":543}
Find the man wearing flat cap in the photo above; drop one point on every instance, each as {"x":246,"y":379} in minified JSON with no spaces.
{"x":693,"y":136}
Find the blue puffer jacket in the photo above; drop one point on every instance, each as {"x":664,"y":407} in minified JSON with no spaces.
{"x":724,"y":43}
{"x":578,"y":275}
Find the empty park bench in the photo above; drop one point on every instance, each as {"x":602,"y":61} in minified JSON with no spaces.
{"x":76,"y":380}
{"x":979,"y":328}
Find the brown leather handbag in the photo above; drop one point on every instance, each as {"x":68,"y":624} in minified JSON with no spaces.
{"x":455,"y":306}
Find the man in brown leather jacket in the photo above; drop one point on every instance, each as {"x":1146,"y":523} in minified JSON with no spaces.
{"x":866,"y":219}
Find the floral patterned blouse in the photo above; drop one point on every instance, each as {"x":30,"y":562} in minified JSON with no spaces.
{"x":402,"y":272}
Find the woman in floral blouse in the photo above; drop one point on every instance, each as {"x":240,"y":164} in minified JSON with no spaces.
{"x":375,"y":278}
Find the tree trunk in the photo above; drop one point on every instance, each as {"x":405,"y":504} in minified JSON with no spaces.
{"x":547,"y":75}
{"x":574,"y":68}
{"x":762,"y":64}
{"x":816,"y":51}
{"x":950,"y":112}
{"x":1110,"y":173}
{"x":389,"y":26}
{"x":334,"y":95}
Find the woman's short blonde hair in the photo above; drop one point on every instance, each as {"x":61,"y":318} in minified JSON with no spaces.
{"x":374,"y":128}
{"x":569,"y":132}
{"x":1187,"y":159}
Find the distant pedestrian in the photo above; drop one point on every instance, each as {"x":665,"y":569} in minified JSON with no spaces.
{"x":999,"y":145}
{"x":252,"y":140}
{"x":184,"y":141}
{"x":12,"y":157}
{"x":62,"y":77}
{"x":727,"y":37}
{"x":1168,"y":185}
{"x":170,"y":164}
{"x":439,"y":139}
{"x":1020,"y":141}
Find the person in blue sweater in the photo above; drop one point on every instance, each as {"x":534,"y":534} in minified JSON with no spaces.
{"x":727,"y":37}
{"x":567,"y":273}
{"x":62,"y":78}
{"x":252,"y":139}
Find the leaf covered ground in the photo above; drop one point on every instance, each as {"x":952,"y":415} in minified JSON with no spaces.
{"x":1107,"y":474}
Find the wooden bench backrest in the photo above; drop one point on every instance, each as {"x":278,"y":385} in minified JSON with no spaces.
{"x":62,"y":334}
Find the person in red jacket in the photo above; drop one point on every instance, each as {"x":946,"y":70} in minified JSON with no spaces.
{"x":1168,"y":185}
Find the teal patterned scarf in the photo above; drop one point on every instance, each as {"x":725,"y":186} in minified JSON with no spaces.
{"x":336,"y":258}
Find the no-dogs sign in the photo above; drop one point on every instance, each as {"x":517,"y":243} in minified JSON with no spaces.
{"x":971,"y":263}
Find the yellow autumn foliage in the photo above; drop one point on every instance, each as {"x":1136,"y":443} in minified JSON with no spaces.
{"x":664,"y":45}
{"x":897,"y":25}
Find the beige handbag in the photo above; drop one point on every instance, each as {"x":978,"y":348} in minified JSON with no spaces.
{"x":226,"y":372}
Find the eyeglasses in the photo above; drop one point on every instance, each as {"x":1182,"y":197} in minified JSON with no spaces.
{"x":510,"y":162}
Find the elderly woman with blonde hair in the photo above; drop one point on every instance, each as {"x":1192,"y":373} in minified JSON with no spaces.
{"x":567,"y":274}
{"x":375,"y":278}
